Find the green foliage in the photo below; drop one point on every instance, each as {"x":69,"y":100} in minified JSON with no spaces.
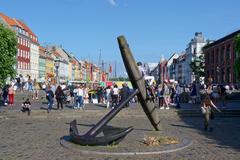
{"x":237,"y":68}
{"x":197,"y":66}
{"x":237,"y":61}
{"x":8,"y":51}
{"x":237,"y":44}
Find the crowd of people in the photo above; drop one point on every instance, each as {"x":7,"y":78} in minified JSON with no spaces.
{"x":165,"y":95}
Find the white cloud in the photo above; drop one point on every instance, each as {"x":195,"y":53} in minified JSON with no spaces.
{"x":112,"y":2}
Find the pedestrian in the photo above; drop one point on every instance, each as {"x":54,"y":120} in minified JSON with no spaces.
{"x":30,"y":84}
{"x":75,"y":100}
{"x":124,"y":93}
{"x":59,"y":97}
{"x":85,"y":95}
{"x":115,"y":94}
{"x":5,"y":95}
{"x":172,"y":94}
{"x":223,"y":94}
{"x":35,"y":89}
{"x":100,"y":94}
{"x":71,"y":88}
{"x":193,"y":93}
{"x":160,"y":96}
{"x":49,"y":96}
{"x":178,"y":94}
{"x":80,"y":97}
{"x":166,"y":95}
{"x":108,"y":95}
{"x":11,"y":93}
{"x":53,"y":88}
{"x":207,"y":110}
{"x":26,"y":106}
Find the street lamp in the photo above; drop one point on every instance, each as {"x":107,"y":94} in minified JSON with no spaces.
{"x":57,"y":64}
{"x":73,"y":72}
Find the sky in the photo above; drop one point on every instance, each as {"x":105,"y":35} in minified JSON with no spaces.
{"x":89,"y":28}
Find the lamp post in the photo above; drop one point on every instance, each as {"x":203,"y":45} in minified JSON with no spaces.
{"x":73,"y":72}
{"x":56,"y":64}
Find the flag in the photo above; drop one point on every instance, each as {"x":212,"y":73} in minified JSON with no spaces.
{"x":110,"y":69}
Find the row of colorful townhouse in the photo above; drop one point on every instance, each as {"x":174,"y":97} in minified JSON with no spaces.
{"x":49,"y":62}
{"x":219,"y":59}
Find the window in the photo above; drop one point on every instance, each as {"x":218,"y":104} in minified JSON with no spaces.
{"x":217,"y":56}
{"x":21,"y":65}
{"x":18,"y":64}
{"x":228,"y":75}
{"x":212,"y":56}
{"x":228,"y":53}
{"x":207,"y":58}
{"x":18,"y":52}
{"x":18,"y":39}
{"x":222,"y":54}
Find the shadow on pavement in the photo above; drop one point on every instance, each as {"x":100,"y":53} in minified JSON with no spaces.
{"x":225,"y":132}
{"x":80,"y":124}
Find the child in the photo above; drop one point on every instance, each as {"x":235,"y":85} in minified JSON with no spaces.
{"x":26,"y":106}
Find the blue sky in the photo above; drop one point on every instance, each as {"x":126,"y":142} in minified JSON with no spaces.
{"x":152,"y":27}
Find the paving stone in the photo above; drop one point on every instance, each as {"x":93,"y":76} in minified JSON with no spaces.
{"x":37,"y":136}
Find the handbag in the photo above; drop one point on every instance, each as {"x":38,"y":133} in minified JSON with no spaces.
{"x":203,"y":110}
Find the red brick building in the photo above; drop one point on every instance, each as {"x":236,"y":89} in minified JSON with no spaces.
{"x":23,"y":54}
{"x":219,"y":60}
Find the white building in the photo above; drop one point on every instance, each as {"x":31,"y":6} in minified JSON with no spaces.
{"x":180,"y":69}
{"x":34,"y":59}
{"x":61,"y":64}
{"x":194,"y":49}
{"x":171,"y":69}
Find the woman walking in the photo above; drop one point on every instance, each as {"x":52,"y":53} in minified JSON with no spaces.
{"x":59,"y":97}
{"x":11,"y":95}
{"x":207,"y":110}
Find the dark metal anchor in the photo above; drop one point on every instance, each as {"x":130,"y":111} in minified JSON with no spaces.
{"x":91,"y":138}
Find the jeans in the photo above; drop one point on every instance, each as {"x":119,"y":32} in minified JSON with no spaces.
{"x":177,"y":100}
{"x":80,"y":101}
{"x":50,"y":104}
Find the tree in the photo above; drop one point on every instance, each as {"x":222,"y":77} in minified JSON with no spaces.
{"x":8,"y":51}
{"x":197,"y":66}
{"x":237,"y":61}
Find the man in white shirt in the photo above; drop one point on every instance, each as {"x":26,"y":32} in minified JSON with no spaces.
{"x":80,"y":97}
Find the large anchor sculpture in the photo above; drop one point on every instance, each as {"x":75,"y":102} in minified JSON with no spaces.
{"x":91,"y":137}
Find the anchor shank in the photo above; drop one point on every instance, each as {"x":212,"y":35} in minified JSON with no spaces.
{"x":138,"y":82}
{"x":95,"y":130}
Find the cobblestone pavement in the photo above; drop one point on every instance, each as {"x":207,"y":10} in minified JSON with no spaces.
{"x":37,"y":136}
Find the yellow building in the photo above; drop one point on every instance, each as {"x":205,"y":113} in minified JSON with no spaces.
{"x":77,"y":70}
{"x":70,"y":70}
{"x":49,"y":66}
